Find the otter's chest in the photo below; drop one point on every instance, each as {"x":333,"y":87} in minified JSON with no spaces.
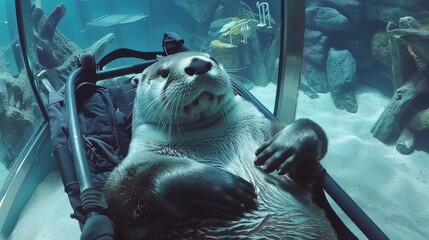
{"x":227,"y":147}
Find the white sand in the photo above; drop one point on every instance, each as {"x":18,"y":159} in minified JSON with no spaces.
{"x":391,"y":188}
{"x":47,"y":214}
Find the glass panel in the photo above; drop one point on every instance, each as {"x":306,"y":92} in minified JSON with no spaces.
{"x":246,"y":42}
{"x":245,"y":38}
{"x":364,"y":85}
{"x":19,"y":112}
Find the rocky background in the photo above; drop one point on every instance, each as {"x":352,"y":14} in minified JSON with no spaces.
{"x":19,"y":112}
{"x":348,"y":43}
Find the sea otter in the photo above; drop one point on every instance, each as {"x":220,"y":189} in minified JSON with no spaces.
{"x":201,"y":162}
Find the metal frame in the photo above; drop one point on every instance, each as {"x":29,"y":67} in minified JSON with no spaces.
{"x":291,"y":50}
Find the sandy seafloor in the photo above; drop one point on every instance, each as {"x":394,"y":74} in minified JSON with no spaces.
{"x":392,"y":189}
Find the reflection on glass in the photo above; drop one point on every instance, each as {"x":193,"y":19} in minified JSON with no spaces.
{"x":243,"y":37}
{"x":19,"y":112}
{"x":244,"y":40}
{"x":364,"y":80}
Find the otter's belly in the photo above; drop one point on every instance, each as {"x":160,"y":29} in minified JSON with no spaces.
{"x":284,"y":210}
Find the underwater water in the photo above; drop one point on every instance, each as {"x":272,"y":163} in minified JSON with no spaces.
{"x":374,"y":108}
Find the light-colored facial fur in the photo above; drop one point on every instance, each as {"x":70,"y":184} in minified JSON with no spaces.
{"x":170,"y":97}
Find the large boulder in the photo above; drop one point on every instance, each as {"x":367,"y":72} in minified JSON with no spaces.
{"x":316,"y":77}
{"x":341,"y":75}
{"x":315,"y":47}
{"x":326,"y":19}
{"x":380,"y":48}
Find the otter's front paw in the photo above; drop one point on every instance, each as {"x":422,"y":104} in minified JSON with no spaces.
{"x":209,"y":190}
{"x":294,"y":149}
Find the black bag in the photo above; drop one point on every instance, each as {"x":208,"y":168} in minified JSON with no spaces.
{"x":105,"y":120}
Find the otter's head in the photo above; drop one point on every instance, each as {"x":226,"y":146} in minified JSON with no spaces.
{"x":182,"y":89}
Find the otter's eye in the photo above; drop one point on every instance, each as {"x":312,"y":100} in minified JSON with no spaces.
{"x":164,"y":73}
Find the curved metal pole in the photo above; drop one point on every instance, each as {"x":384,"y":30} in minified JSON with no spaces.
{"x":25,"y":31}
{"x":75,"y":136}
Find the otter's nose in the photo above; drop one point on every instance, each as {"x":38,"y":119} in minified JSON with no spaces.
{"x":198,"y":66}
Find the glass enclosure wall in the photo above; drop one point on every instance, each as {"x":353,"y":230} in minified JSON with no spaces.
{"x":19,"y":113}
{"x":243,"y":35}
{"x":364,"y":80}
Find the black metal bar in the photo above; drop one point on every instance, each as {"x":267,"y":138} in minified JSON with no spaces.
{"x":120,"y":71}
{"x":353,"y":211}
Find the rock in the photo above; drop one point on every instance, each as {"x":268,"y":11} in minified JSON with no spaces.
{"x":315,"y":47}
{"x":409,"y":22}
{"x":316,"y":77}
{"x":420,"y":121}
{"x":341,"y":75}
{"x":352,"y":9}
{"x":380,"y":48}
{"x":406,"y":142}
{"x":326,"y":19}
{"x":306,"y":89}
{"x":200,"y":10}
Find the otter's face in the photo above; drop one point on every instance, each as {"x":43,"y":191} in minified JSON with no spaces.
{"x":184,"y":88}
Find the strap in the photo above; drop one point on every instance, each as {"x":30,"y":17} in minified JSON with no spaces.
{"x":129,"y":53}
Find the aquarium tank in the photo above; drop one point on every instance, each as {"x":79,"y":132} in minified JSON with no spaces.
{"x":358,"y":68}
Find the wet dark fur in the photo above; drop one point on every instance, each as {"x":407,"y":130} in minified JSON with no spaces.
{"x":184,"y":181}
